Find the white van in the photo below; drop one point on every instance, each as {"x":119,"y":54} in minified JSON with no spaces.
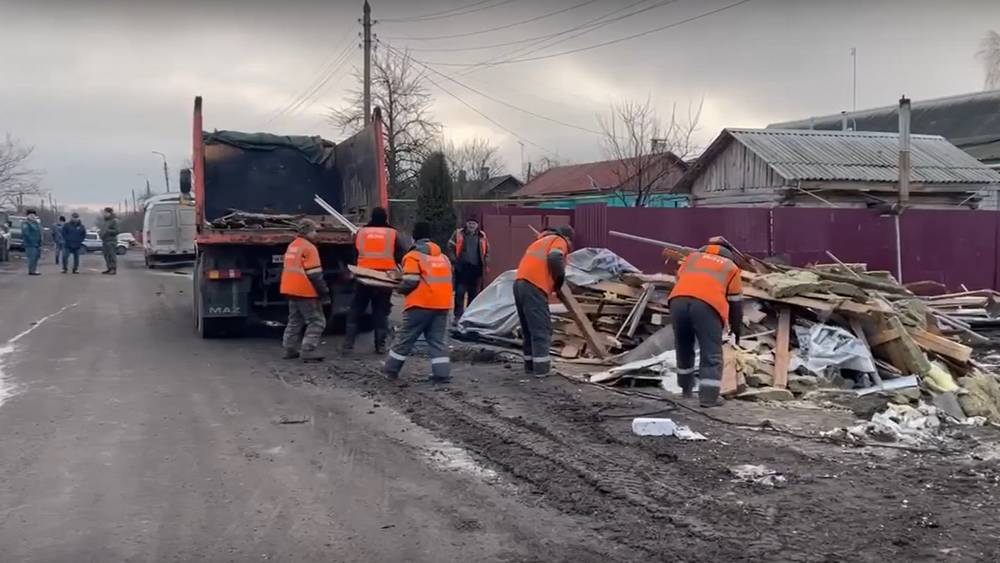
{"x":168,"y":229}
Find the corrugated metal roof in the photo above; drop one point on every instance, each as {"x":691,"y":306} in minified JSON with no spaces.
{"x":862,"y":156}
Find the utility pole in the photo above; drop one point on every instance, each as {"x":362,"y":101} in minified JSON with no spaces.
{"x":522,"y":158}
{"x":166,"y":173}
{"x":366,"y":23}
{"x":135,"y":207}
{"x":149,"y":193}
{"x":854,"y":79}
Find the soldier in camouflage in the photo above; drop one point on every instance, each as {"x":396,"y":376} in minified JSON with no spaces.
{"x":109,"y":241}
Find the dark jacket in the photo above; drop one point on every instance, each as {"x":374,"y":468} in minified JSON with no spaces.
{"x":109,"y":231}
{"x":73,"y":235}
{"x":31,"y":234}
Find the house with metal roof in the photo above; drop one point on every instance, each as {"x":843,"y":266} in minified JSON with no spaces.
{"x":971,"y":122}
{"x":613,"y":182}
{"x":773,"y":167}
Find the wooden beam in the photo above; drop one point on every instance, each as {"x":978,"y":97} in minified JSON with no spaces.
{"x":730,"y":379}
{"x":782,"y":355}
{"x":942,"y":346}
{"x":594,"y":340}
{"x":640,"y":309}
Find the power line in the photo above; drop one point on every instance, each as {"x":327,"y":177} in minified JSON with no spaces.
{"x":611,"y":42}
{"x":310,"y":93}
{"x":324,"y":71}
{"x":493,"y":98}
{"x":586,"y":27}
{"x":472,"y":8}
{"x":475,"y":109}
{"x":491,"y":29}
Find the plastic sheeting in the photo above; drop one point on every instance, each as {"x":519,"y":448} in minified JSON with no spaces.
{"x":492,"y":312}
{"x":824,"y":346}
{"x":588,"y":266}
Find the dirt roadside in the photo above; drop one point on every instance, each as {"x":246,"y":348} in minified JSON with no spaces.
{"x":569,"y":446}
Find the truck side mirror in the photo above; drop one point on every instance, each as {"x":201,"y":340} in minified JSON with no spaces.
{"x":186,"y":181}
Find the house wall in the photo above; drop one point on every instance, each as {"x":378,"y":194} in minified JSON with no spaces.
{"x":735,"y":171}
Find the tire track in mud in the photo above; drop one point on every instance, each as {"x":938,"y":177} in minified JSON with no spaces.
{"x":636,"y":501}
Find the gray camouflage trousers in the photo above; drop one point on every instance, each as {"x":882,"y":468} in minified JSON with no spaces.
{"x":304,"y":316}
{"x":432,"y":324}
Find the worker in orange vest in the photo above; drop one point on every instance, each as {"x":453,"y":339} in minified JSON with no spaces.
{"x":540,"y":273}
{"x":708,"y":293}
{"x":303,"y":284}
{"x":379,"y":247}
{"x":427,"y":286}
{"x":470,"y":251}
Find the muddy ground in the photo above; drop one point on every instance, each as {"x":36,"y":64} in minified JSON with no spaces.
{"x":569,"y":446}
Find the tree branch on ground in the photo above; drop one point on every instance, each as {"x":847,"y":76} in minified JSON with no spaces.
{"x":989,"y":56}
{"x":398,"y":88}
{"x":17,"y":180}
{"x":646,"y":148}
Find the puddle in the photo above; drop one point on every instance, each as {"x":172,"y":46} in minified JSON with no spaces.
{"x":448,"y":456}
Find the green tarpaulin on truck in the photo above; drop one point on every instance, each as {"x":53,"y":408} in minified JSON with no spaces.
{"x":316,"y":150}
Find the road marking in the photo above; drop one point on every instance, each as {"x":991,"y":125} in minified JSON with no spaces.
{"x":8,"y":389}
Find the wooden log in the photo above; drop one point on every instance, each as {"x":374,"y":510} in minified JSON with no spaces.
{"x":782,"y":355}
{"x":730,"y":379}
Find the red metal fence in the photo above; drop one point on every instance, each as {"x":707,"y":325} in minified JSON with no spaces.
{"x":952,"y":247}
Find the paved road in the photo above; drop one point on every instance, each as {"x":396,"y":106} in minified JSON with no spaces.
{"x":125,"y":438}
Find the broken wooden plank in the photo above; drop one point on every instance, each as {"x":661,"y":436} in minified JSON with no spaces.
{"x":826,"y":305}
{"x":730,"y":379}
{"x":942,"y":346}
{"x":640,"y":309}
{"x":617,"y":288}
{"x":594,"y":341}
{"x":883,"y":336}
{"x":782,"y":355}
{"x":374,"y":278}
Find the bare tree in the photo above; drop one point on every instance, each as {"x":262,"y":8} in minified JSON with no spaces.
{"x":399,"y":89}
{"x":646,"y":148}
{"x":16,"y":180}
{"x":989,"y":55}
{"x":543,"y":164}
{"x":475,"y":159}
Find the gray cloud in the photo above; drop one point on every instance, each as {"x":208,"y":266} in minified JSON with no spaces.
{"x":97,"y":85}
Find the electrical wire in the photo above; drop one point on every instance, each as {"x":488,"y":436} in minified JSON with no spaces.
{"x":321,"y":78}
{"x":493,"y":98}
{"x":470,"y":9}
{"x":491,"y":29}
{"x":309,"y":95}
{"x":603,"y":43}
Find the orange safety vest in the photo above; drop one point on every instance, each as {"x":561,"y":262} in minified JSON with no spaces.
{"x":301,"y":259}
{"x":710,"y":278}
{"x":376,"y":247}
{"x":534,"y":265}
{"x":434,"y":290}
{"x":484,"y":245}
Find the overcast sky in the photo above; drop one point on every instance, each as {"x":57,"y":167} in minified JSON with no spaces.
{"x":96,"y":86}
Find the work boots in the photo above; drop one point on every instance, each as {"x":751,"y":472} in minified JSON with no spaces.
{"x":380,"y":337}
{"x":290,"y":354}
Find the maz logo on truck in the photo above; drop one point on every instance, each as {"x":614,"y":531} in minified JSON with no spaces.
{"x":224,"y":311}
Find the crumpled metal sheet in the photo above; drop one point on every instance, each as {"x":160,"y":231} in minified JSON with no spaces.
{"x":823,"y":346}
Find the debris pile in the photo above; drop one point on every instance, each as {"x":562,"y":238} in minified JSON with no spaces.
{"x":827,"y":326}
{"x":245,"y":220}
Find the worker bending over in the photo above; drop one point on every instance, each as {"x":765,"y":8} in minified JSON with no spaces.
{"x":707,"y":294}
{"x":379,"y":247}
{"x":427,"y":287}
{"x":303,"y":284}
{"x":539,"y":274}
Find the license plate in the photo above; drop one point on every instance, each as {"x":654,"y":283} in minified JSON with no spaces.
{"x":277,"y":258}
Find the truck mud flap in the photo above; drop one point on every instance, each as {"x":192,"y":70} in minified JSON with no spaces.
{"x":225,"y":298}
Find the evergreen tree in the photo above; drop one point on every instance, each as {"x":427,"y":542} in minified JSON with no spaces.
{"x":434,"y":202}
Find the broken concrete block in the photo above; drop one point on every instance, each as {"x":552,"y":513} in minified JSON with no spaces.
{"x":766,"y":394}
{"x":800,"y":384}
{"x":759,"y":379}
{"x":982,"y":397}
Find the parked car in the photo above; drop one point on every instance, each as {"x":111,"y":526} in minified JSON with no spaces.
{"x":92,"y":243}
{"x":16,"y":243}
{"x":129,"y":239}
